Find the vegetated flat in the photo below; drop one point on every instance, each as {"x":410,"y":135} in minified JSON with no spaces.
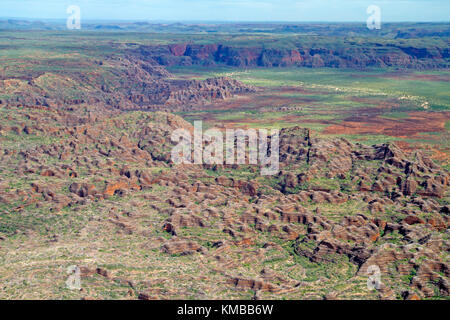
{"x":370,"y":106}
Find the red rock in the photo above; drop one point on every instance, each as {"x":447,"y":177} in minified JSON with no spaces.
{"x":411,"y":219}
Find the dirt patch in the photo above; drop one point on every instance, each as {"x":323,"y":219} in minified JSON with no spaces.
{"x":422,"y":77}
{"x":416,"y":123}
{"x":406,"y":76}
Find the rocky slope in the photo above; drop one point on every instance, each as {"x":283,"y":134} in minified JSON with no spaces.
{"x":96,"y":188}
{"x":125,"y":83}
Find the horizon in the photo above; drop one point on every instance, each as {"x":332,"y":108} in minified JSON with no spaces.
{"x":150,"y":21}
{"x":258,"y":11}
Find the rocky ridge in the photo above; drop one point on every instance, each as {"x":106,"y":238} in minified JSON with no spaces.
{"x":125,"y":83}
{"x":349,"y":55}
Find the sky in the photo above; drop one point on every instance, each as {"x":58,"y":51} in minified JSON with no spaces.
{"x":230,"y":10}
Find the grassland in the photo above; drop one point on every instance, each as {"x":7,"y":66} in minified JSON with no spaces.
{"x":373,"y":106}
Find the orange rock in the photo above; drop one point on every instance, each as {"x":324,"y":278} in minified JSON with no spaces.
{"x":111,"y":188}
{"x":413,"y":296}
{"x":374,"y":237}
{"x":245,"y":242}
{"x":48,"y":173}
{"x":437,"y":223}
